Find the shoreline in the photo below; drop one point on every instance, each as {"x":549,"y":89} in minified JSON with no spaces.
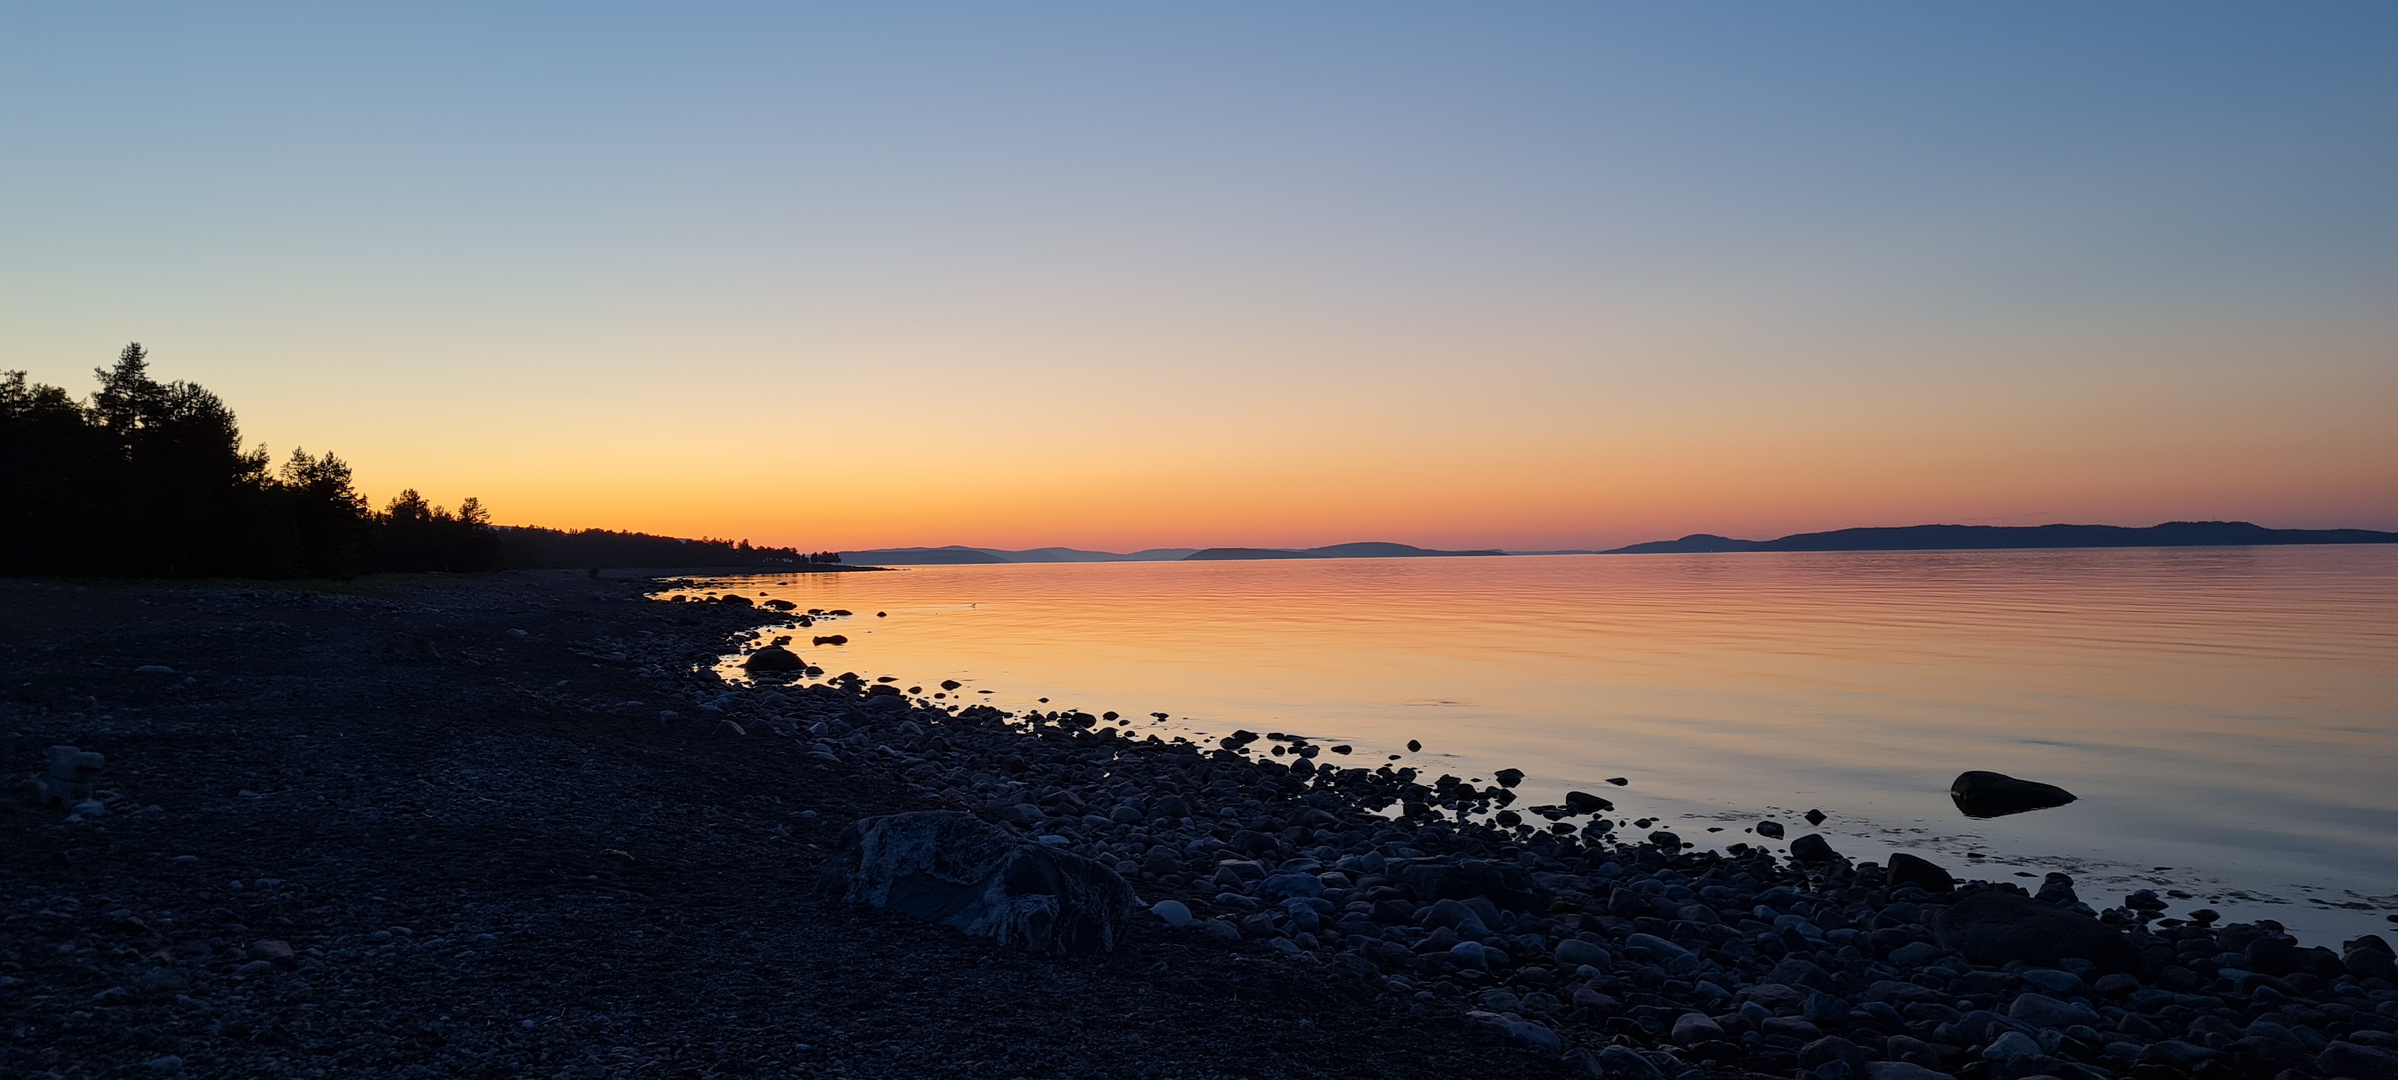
{"x":323,"y":736}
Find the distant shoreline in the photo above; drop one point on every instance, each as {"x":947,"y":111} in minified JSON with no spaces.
{"x":2172,"y":534}
{"x":1905,"y":538}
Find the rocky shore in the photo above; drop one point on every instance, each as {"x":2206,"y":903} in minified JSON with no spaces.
{"x":514,"y":825}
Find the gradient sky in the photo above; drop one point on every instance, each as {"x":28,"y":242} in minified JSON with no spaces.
{"x":1533,"y":275}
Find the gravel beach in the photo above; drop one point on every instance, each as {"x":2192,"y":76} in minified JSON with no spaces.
{"x":513,"y":825}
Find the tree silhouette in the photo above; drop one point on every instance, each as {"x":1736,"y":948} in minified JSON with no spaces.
{"x":150,"y":479}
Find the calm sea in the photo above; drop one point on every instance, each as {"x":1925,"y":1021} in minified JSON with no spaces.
{"x":2228,"y":716}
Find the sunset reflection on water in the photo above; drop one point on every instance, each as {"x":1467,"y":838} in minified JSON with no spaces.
{"x":2230,"y":713}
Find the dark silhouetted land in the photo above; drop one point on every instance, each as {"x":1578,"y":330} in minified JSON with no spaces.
{"x":2004,"y":537}
{"x":149,"y":479}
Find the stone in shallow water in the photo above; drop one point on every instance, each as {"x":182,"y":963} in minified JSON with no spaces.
{"x":1981,"y":794}
{"x":954,"y":869}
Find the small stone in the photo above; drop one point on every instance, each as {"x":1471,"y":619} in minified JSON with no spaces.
{"x":1619,"y":1062}
{"x":2042,"y":1011}
{"x":1518,"y":1029}
{"x":2061,"y":984}
{"x":2348,"y":1059}
{"x":1915,"y":954}
{"x":1693,"y":1028}
{"x":1901,"y":1070}
{"x":1508,"y":777}
{"x":1812,"y":848}
{"x":1285,"y":886}
{"x":1770,"y":829}
{"x":1175,"y":912}
{"x":1575,"y":952}
{"x":1814,"y":817}
{"x":2012,"y":1046}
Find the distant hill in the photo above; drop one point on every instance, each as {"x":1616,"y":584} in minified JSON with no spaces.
{"x":1367,"y":550}
{"x":1997,"y":537}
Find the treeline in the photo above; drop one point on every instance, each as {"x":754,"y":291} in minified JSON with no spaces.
{"x":149,"y":479}
{"x":535,"y":548}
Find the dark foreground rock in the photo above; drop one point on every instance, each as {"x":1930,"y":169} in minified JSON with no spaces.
{"x":2000,"y":928}
{"x":953,"y":869}
{"x":1988,"y":794}
{"x":1915,"y":870}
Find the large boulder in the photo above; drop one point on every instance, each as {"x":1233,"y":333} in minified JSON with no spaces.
{"x":1504,"y":884}
{"x":1987,"y":794}
{"x":952,"y":868}
{"x":1998,"y":927}
{"x":774,"y":658}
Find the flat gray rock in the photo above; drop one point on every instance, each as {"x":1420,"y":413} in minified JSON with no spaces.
{"x":954,"y":869}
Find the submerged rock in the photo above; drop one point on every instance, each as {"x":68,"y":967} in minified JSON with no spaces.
{"x":953,"y":869}
{"x":1998,"y":928}
{"x":1583,"y":802}
{"x":1987,"y":794}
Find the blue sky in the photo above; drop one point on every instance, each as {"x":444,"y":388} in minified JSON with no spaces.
{"x":1592,"y":271}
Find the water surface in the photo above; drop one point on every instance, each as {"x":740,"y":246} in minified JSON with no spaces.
{"x":2229,"y":716}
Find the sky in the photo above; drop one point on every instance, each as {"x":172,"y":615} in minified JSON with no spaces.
{"x":1117,"y":276}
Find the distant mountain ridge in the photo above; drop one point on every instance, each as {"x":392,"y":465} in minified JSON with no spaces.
{"x":2005,"y":537}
